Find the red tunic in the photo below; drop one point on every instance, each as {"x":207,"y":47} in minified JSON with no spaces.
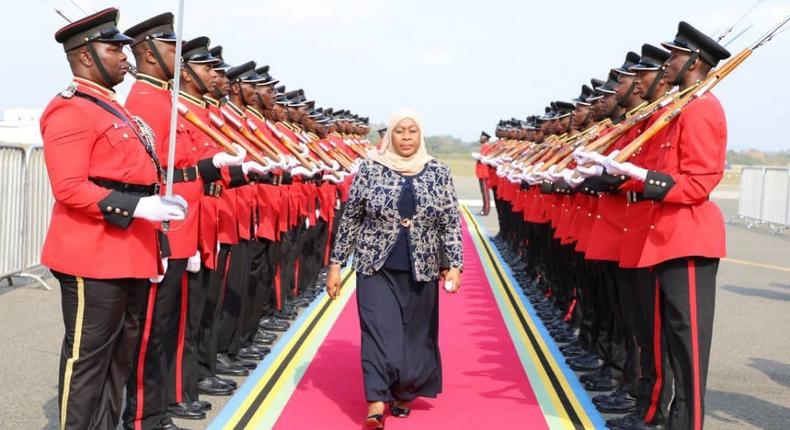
{"x":607,"y":229}
{"x":693,"y":156}
{"x":152,"y":104}
{"x":82,"y":141}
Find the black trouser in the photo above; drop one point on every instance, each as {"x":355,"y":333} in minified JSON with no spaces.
{"x":688,"y":295}
{"x":629,"y":313}
{"x":486,"y":196}
{"x":150,"y":383}
{"x":214,"y":282}
{"x":233,"y":302}
{"x":656,"y":381}
{"x":101,"y":330}
{"x":287,"y":262}
{"x":186,"y":373}
{"x":261,"y":293}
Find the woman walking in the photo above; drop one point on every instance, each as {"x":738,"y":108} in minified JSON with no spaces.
{"x":402,"y":225}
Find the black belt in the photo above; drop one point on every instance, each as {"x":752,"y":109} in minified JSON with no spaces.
{"x":126,"y":188}
{"x":212,"y":189}
{"x":187,"y":174}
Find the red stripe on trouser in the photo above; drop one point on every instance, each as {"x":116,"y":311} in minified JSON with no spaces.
{"x":182,"y":325}
{"x":296,"y":276}
{"x":692,"y":269}
{"x":657,"y":356}
{"x":278,"y":288}
{"x":328,"y":249}
{"x":149,"y":316}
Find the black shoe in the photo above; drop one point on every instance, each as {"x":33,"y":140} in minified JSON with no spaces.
{"x":168,"y":424}
{"x":589,"y":377}
{"x":604,"y":384}
{"x":213,"y":387}
{"x":399,"y":411}
{"x":184,"y":412}
{"x":228,"y":367}
{"x":200,"y":405}
{"x":375,"y":422}
{"x":641,"y":425}
{"x":274,"y":324}
{"x":247,"y":364}
{"x":585,"y":363}
{"x":227,"y":381}
{"x":263,"y":335}
{"x":620,"y":405}
{"x":250,"y":353}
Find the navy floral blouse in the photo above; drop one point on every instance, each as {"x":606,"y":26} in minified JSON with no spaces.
{"x":371,"y":221}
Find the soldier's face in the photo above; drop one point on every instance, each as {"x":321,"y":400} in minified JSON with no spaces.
{"x":677,"y":59}
{"x":623,"y":86}
{"x":608,"y":102}
{"x":223,"y":84}
{"x":206,"y":74}
{"x":266,"y":93}
{"x":644,"y":79}
{"x":248,"y":92}
{"x":580,"y":114}
{"x":114,"y":61}
{"x":406,"y":137}
{"x":168,"y":52}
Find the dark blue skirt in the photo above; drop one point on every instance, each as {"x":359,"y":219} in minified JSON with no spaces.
{"x":399,"y":320}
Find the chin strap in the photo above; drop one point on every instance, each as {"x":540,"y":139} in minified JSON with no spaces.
{"x":100,"y":66}
{"x":682,"y":73}
{"x":161,"y":61}
{"x":201,"y":86}
{"x":652,"y":88}
{"x":622,"y":101}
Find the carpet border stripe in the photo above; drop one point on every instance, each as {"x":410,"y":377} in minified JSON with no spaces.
{"x":566,"y":383}
{"x":238,"y":412}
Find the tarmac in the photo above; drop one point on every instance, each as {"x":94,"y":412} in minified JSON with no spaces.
{"x":749,"y":375}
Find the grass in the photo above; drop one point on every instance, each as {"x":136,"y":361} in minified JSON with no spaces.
{"x":460,"y":164}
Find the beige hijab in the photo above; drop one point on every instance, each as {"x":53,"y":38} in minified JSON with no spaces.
{"x":386,"y":154}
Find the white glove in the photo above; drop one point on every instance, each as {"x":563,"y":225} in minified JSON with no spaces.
{"x":507,"y":158}
{"x":158,"y":279}
{"x":154,"y":208}
{"x":193,"y":263}
{"x":334,"y":165}
{"x":486,"y":160}
{"x":591,"y":170}
{"x":255,"y":167}
{"x":301,"y":171}
{"x":583,"y":157}
{"x":572,"y":179}
{"x":333,"y":179}
{"x":628,"y":169}
{"x":476,"y":156}
{"x":533,"y":179}
{"x":501,"y":173}
{"x":223,"y":159}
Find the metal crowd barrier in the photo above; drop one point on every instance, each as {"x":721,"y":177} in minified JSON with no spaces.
{"x":25,"y":210}
{"x":765,"y":197}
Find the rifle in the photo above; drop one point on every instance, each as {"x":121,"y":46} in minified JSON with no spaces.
{"x":230,"y":134}
{"x":713,"y":79}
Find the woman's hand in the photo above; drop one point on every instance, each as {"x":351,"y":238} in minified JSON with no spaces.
{"x":333,"y":281}
{"x":453,"y":275}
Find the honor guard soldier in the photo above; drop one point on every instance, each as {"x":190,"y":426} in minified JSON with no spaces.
{"x":102,"y":244}
{"x":481,"y":171}
{"x":680,"y":184}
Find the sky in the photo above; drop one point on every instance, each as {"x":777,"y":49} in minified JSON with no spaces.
{"x":462,"y":64}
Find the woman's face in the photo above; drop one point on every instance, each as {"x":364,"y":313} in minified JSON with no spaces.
{"x":406,"y":137}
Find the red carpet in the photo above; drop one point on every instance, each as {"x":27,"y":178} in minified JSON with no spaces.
{"x":485,"y":386}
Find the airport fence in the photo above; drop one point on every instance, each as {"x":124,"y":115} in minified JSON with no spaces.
{"x":25,"y":210}
{"x":765,"y":197}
